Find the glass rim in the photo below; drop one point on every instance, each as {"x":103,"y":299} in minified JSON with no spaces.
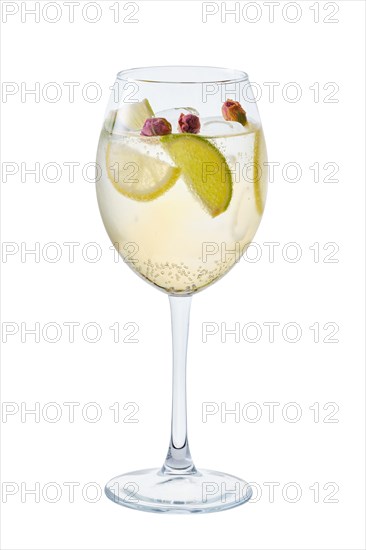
{"x":237,"y":75}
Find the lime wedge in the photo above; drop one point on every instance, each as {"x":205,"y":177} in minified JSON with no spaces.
{"x":138,"y":176}
{"x":132,"y":116}
{"x":204,"y":169}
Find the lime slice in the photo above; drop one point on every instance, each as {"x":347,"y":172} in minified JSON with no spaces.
{"x":138,"y":176}
{"x":131,"y":116}
{"x":204,"y":169}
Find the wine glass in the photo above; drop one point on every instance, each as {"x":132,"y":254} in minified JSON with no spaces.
{"x":181,"y":192}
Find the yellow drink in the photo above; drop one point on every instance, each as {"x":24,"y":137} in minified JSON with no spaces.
{"x":172,"y":240}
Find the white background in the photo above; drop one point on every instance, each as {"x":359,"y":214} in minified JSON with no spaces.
{"x":310,"y":130}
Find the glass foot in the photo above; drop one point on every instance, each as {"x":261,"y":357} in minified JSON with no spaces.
{"x":199,"y":491}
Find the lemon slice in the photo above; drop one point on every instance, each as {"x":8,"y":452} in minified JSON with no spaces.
{"x":138,"y":176}
{"x":259,"y":179}
{"x":204,"y":169}
{"x":129,"y":118}
{"x":133,"y":115}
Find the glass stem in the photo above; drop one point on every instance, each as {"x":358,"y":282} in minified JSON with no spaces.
{"x":178,"y":460}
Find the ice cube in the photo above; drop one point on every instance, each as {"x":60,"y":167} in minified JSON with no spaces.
{"x":172,"y":115}
{"x":113,"y":123}
{"x":217,"y":126}
{"x":109,"y":121}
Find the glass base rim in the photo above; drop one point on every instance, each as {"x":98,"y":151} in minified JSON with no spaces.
{"x":204,"y":491}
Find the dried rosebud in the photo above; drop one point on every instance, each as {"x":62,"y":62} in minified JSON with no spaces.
{"x":232,"y":110}
{"x":156,"y":127}
{"x":189,"y":124}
